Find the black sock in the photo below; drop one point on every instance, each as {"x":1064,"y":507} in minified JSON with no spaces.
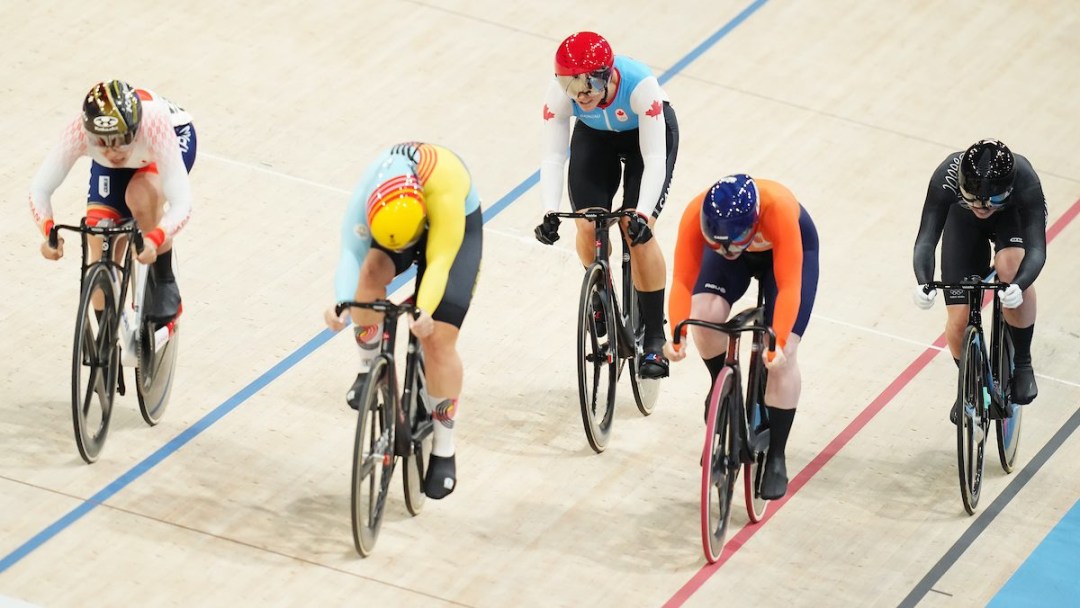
{"x":779,"y":427}
{"x":714,"y":365}
{"x":652,"y":311}
{"x":163,"y":267}
{"x":957,"y":362}
{"x":1021,"y":337}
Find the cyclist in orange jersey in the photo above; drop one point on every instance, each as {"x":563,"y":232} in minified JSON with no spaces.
{"x":738,"y":230}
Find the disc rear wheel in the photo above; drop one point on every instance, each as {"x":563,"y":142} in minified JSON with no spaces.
{"x":973,"y":421}
{"x":1008,"y":428}
{"x":415,"y":460}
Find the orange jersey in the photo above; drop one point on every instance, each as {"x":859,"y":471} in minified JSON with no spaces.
{"x":777,"y":229}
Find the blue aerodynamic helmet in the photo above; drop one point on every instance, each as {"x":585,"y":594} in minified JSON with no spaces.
{"x":729,"y":213}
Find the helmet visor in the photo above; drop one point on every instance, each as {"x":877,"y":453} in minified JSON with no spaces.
{"x":732,"y":245}
{"x":972,"y":201}
{"x":597,"y":80}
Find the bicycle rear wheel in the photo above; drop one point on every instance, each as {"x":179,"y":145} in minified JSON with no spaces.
{"x":974,"y":421}
{"x":373,"y":458}
{"x":752,"y":471}
{"x":598,"y":361}
{"x":646,"y":390}
{"x":158,"y":347}
{"x":415,"y":460}
{"x":95,"y":352}
{"x":1008,"y":428}
{"x":719,"y":466}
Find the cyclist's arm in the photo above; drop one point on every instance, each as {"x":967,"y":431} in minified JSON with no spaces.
{"x":935,"y":210}
{"x":355,"y":244}
{"x":52,"y":172}
{"x":689,"y":250}
{"x":780,"y":224}
{"x":647,"y":100}
{"x":446,"y":232}
{"x":175,"y":184}
{"x":1032,"y":203}
{"x":557,"y":111}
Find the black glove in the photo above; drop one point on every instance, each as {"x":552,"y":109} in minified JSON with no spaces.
{"x":548,"y":230}
{"x":638,"y":230}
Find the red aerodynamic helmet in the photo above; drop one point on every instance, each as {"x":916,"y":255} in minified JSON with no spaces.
{"x":583,"y":53}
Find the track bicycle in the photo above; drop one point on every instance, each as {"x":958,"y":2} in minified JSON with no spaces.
{"x":112,"y":331}
{"x":389,"y":425}
{"x":609,"y":335}
{"x":736,"y":427}
{"x":984,"y":390}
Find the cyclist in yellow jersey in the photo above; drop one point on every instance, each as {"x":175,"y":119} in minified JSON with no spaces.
{"x":415,"y":203}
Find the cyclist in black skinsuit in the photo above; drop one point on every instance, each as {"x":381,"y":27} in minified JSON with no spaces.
{"x":984,"y":195}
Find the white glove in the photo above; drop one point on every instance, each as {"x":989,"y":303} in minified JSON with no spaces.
{"x":923,"y":299}
{"x":1012,"y":297}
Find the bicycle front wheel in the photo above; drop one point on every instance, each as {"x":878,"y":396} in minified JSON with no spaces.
{"x":94,"y":354}
{"x":598,"y":361}
{"x":719,"y":466}
{"x":1008,"y":428}
{"x":973,"y":421}
{"x":158,"y":347}
{"x":373,"y":457}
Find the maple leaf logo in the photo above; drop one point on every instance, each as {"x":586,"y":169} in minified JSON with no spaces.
{"x":654,"y":110}
{"x":548,"y":114}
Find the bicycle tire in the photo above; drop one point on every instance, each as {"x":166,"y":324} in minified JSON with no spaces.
{"x":973,"y":421}
{"x":1007,"y":430}
{"x":95,"y":348}
{"x":157,"y":364}
{"x":373,"y":458}
{"x":646,"y":390}
{"x":719,"y":466}
{"x":418,"y":453}
{"x":756,"y":506}
{"x":597,"y":358}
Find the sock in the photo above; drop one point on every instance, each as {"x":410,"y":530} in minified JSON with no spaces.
{"x":442,"y":442}
{"x":779,"y":425}
{"x":163,"y":267}
{"x":367,"y":343}
{"x":652,"y":311}
{"x":957,"y":362}
{"x":714,"y":365}
{"x":1021,"y":337}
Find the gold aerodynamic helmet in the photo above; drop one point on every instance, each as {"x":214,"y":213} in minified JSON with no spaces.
{"x":396,"y":211}
{"x":111,"y":114}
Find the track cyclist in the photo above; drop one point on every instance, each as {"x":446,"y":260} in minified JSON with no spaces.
{"x":415,"y":203}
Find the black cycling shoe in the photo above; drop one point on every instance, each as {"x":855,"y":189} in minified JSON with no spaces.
{"x":774,"y":481}
{"x":355,"y":393}
{"x":1024,"y":389}
{"x":654,"y":366}
{"x":441,"y":478}
{"x":164,"y":301}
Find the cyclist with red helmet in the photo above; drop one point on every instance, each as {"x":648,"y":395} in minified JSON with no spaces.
{"x":1007,"y":207}
{"x":142,"y":148}
{"x":738,"y":230}
{"x":415,"y":203}
{"x":625,"y":131}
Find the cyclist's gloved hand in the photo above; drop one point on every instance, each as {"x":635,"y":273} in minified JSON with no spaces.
{"x":423,"y":325}
{"x":1012,"y":297}
{"x":638,"y":230}
{"x":548,"y":230}
{"x":924,"y":298}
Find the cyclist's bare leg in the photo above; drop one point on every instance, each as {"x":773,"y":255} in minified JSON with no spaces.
{"x":145,"y":198}
{"x":785,"y":382}
{"x":444,"y":376}
{"x":955,"y":323}
{"x":781,"y":398}
{"x":375,"y":274}
{"x":715,"y":309}
{"x":1007,"y":262}
{"x":586,"y":241}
